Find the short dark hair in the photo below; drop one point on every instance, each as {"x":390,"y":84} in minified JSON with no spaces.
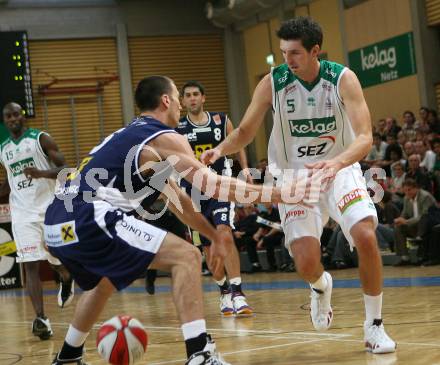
{"x":193,"y":83}
{"x":150,"y":89}
{"x":377,"y":135}
{"x":410,"y":182}
{"x":435,"y":141}
{"x":303,"y":28}
{"x":410,"y":113}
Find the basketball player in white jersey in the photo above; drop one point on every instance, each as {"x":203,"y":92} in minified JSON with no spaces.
{"x":32,"y":161}
{"x":321,"y":121}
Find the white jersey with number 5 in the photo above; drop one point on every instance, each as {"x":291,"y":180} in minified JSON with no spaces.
{"x":29,"y":197}
{"x":310,"y":122}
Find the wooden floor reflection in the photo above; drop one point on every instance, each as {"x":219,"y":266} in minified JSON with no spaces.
{"x":280,"y":333}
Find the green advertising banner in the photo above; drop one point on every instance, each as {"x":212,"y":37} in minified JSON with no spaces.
{"x":385,"y":61}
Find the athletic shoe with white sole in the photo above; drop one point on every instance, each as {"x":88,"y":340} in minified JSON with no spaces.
{"x":241,"y":308}
{"x":376,"y":339}
{"x":41,"y":328}
{"x":226,"y":306}
{"x":208,"y":356}
{"x":321,"y":312}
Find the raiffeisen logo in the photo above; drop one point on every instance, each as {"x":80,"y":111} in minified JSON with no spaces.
{"x":377,"y":58}
{"x":313,"y":127}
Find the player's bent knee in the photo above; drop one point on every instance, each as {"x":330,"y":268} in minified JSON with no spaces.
{"x":307,"y":266}
{"x":192,"y":256}
{"x":365,"y":239}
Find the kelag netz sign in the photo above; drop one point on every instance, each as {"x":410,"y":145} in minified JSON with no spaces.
{"x":384,"y":61}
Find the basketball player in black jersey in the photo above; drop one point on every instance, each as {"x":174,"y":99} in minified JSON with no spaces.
{"x":205,"y":130}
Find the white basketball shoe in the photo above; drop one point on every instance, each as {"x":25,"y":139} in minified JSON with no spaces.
{"x":321,"y":312}
{"x":208,"y":356}
{"x":376,"y":339}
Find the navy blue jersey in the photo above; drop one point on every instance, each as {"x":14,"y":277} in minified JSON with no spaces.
{"x":111,"y":172}
{"x":206,"y":136}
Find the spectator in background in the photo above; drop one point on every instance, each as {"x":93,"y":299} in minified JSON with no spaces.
{"x":416,"y":204}
{"x":408,"y":125}
{"x":433,"y":122}
{"x":377,"y":152}
{"x":381,"y":128}
{"x":423,"y":117}
{"x":269,"y":237}
{"x":245,"y":228}
{"x":391,"y":126}
{"x":420,"y":135}
{"x":395,"y":182}
{"x":436,"y":168}
{"x":393,"y":154}
{"x":418,"y":173}
{"x":409,"y":149}
{"x":261,"y":166}
{"x":401,"y":140}
{"x":427,"y":156}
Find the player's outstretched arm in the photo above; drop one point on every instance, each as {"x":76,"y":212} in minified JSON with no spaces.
{"x":182,"y":206}
{"x":176,"y":149}
{"x":184,"y":209}
{"x":241,"y":136}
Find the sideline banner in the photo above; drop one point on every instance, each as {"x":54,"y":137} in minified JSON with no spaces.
{"x":385,"y":61}
{"x":10,"y":275}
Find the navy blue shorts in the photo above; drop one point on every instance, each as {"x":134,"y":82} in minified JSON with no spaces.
{"x":98,"y":240}
{"x":217,"y":212}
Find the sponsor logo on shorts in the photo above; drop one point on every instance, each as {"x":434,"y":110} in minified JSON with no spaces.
{"x":220,"y":210}
{"x":296,"y":214}
{"x":136,"y":231}
{"x":353,"y":197}
{"x":68,"y":233}
{"x":60,"y":234}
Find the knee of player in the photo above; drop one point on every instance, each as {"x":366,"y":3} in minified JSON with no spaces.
{"x":227,"y":240}
{"x":365,"y":238}
{"x":307,"y":266}
{"x":192,"y":256}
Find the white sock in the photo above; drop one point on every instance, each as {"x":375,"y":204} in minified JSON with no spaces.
{"x":235,"y":281}
{"x":193,"y":329}
{"x":373,"y":307}
{"x":74,"y":337}
{"x":221,"y":282}
{"x":321,"y":283}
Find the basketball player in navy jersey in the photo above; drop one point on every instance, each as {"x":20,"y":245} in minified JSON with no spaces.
{"x":205,"y":130}
{"x":90,"y":228}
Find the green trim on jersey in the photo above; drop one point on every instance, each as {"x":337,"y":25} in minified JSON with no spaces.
{"x":28,"y":133}
{"x":282,"y":76}
{"x":328,"y":70}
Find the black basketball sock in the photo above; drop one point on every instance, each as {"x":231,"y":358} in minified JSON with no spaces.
{"x":224,"y":288}
{"x":196,"y":344}
{"x":69,"y":352}
{"x":236,"y":289}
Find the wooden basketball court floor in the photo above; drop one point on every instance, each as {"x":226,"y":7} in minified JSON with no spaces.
{"x":280,"y":333}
